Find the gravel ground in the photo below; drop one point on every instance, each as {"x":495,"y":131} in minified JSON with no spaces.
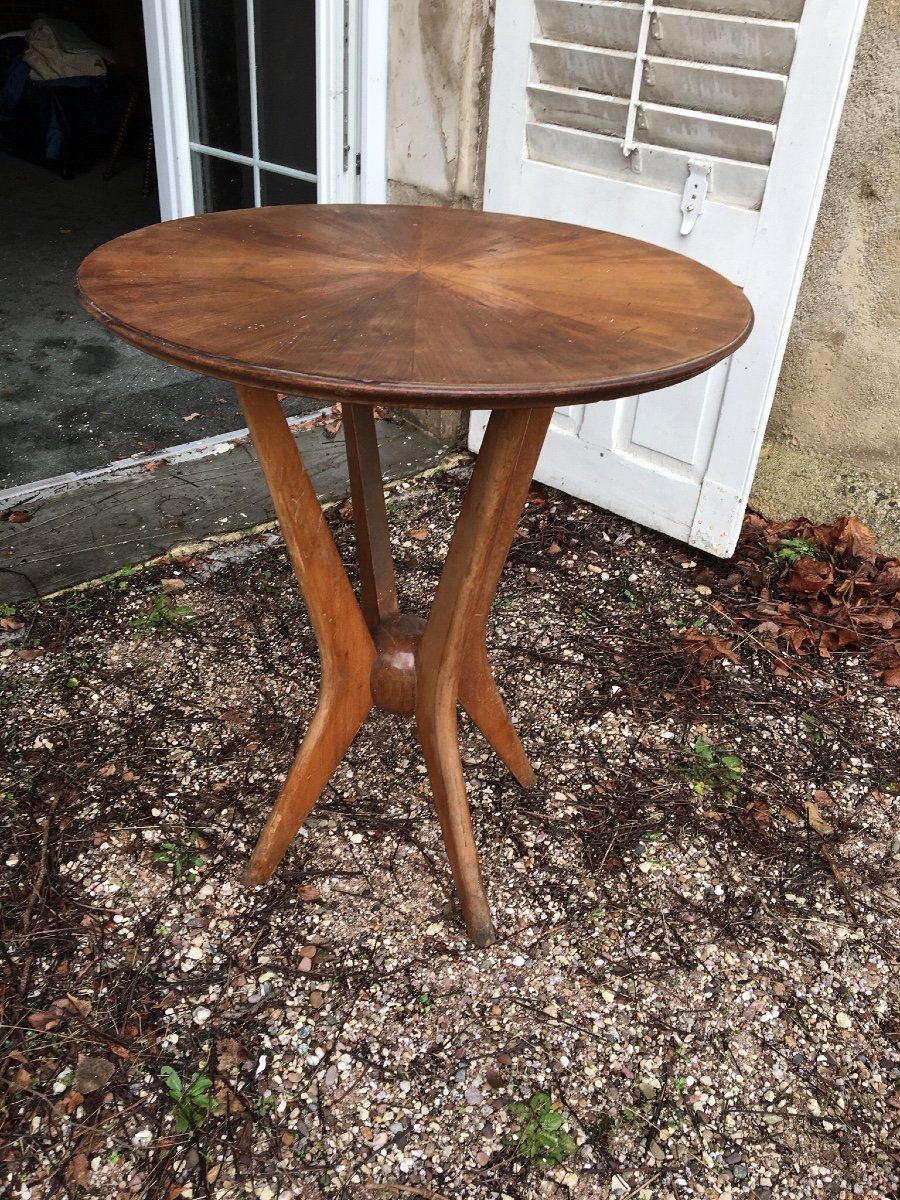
{"x":695,"y":990}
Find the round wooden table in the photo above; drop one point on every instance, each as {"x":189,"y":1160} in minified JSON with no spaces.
{"x":425,"y":307}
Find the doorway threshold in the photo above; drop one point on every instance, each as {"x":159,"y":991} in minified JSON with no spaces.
{"x":65,"y":530}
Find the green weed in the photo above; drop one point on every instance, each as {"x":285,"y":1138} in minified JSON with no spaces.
{"x":712,"y":771}
{"x":182,"y":857}
{"x":164,"y":617}
{"x":192,"y":1102}
{"x":791,"y":550}
{"x":540,"y":1136}
{"x":121,"y":578}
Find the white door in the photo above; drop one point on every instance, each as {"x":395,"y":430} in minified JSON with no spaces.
{"x":267,"y":101}
{"x":705,"y":126}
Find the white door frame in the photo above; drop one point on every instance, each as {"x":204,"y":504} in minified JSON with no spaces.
{"x":169,"y":103}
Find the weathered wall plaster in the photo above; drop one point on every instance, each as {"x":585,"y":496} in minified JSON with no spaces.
{"x":440,"y":62}
{"x":833,"y":442}
{"x":440,"y":58}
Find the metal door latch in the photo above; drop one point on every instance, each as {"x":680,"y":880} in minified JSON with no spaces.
{"x":694,"y":193}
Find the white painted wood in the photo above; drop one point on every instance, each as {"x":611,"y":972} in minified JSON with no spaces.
{"x":336,"y":102}
{"x":782,"y":10}
{"x":706,"y":133}
{"x":731,"y":91}
{"x":680,"y":460}
{"x":373,"y":100}
{"x":657,"y":124}
{"x":698,"y":36}
{"x":168,"y":105}
{"x":723,"y":39}
{"x":657,"y":166}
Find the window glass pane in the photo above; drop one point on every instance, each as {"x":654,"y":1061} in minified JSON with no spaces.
{"x":286,"y":81}
{"x":218,"y":73}
{"x":219,"y":184}
{"x":281,"y":189}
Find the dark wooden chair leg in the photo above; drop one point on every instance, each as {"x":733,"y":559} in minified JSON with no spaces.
{"x":481,"y":540}
{"x":345,"y":644}
{"x":122,"y":129}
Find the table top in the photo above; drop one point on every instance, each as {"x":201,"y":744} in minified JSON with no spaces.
{"x":432,"y":307}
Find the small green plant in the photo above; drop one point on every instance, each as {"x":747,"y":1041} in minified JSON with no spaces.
{"x":263,"y":1105}
{"x":7,"y":610}
{"x":791,"y":550}
{"x":540,"y":1136}
{"x":813,"y":731}
{"x":182,"y":857}
{"x":164,"y":617}
{"x":630,"y":598}
{"x":120,"y":578}
{"x":192,"y":1102}
{"x":712,"y":771}
{"x":425,"y":1004}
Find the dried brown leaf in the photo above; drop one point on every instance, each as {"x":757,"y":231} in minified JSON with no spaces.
{"x":17,"y":516}
{"x":173,"y":585}
{"x":418,"y":534}
{"x":891,"y":678}
{"x":854,"y":538}
{"x":308,"y":892}
{"x":809,"y":576}
{"x":77,"y":1172}
{"x":191,"y":417}
{"x":887,"y":581}
{"x":71,"y":1006}
{"x":758,"y":810}
{"x":815,"y":818}
{"x":21,"y":1079}
{"x":707,"y":647}
{"x":43,"y":1021}
{"x":93,"y":1073}
{"x":11,"y":624}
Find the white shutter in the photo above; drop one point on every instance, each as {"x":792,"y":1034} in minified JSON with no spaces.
{"x":624,"y":88}
{"x":704,"y":126}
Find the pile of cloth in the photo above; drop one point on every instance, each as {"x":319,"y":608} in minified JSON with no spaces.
{"x":60,"y":50}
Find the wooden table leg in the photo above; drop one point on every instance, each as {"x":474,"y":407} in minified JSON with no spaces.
{"x":487,"y":522}
{"x":345,"y":644}
{"x":377,"y":585}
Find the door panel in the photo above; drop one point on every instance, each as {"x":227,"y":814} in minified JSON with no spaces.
{"x":603,"y":113}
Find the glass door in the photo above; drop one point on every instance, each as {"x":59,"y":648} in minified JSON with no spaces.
{"x":271,"y":112}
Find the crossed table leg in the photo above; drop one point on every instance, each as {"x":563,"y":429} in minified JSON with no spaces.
{"x":373,"y":655}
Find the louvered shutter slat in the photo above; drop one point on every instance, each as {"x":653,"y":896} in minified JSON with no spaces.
{"x":778,"y":10}
{"x":737,"y":183}
{"x":606,"y":71}
{"x":579,"y":110}
{"x":724,"y":40}
{"x":594,"y":23}
{"x":728,"y":91}
{"x":722,"y":137}
{"x":709,"y":81}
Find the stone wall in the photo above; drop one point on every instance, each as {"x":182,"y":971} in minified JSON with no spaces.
{"x":833,"y":441}
{"x":833,"y":444}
